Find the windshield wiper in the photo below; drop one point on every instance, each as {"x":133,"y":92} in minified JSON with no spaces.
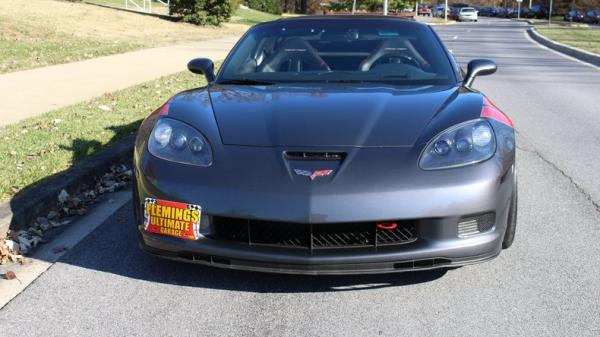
{"x":246,"y":81}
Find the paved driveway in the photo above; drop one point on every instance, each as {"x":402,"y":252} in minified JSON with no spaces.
{"x":546,"y":285}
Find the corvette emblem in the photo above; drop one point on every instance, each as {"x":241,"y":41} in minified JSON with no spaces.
{"x":313,"y":174}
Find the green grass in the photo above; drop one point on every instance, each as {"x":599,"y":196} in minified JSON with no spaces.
{"x":24,"y":47}
{"x":36,"y":148}
{"x":555,"y":20}
{"x":251,"y":16}
{"x":37,"y":33}
{"x":583,"y":38}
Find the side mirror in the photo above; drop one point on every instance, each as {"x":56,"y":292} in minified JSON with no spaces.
{"x":478,"y":67}
{"x":204,"y":67}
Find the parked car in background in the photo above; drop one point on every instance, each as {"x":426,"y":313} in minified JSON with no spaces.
{"x":467,"y":14}
{"x":502,"y":12}
{"x":494,"y":12}
{"x":438,"y":11}
{"x":539,"y":12}
{"x":574,"y":15}
{"x":485,"y":11}
{"x":592,"y":16}
{"x":424,"y":11}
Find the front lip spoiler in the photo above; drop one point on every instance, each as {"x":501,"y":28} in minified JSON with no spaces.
{"x":326,"y":269}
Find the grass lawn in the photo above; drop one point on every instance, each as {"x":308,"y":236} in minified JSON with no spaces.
{"x":247,"y":16}
{"x":555,"y":20}
{"x":36,"y":33}
{"x":583,"y":38}
{"x":41,"y":146}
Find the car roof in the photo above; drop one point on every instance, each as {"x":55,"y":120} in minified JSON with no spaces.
{"x":404,"y":20}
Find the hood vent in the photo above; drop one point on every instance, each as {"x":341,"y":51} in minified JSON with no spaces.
{"x":301,"y":155}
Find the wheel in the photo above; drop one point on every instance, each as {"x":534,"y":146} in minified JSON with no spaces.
{"x":511,"y":226}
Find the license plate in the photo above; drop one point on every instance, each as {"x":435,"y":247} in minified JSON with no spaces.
{"x":172,"y":218}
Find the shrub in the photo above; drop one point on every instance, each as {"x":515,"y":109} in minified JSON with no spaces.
{"x":269,"y":6}
{"x":202,"y":12}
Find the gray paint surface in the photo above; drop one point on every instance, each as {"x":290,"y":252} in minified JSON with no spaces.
{"x":545,"y":285}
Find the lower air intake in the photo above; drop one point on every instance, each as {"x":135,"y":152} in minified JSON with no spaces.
{"x":315,"y":236}
{"x":477,"y":224}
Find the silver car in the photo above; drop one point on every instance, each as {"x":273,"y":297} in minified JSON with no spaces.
{"x":467,"y":14}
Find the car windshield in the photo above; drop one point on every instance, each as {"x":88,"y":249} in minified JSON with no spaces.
{"x":468,"y":10}
{"x":339,"y":50}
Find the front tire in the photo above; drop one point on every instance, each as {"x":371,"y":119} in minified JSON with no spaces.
{"x":511,"y":225}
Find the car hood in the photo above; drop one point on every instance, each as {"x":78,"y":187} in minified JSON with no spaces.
{"x":326,"y":115}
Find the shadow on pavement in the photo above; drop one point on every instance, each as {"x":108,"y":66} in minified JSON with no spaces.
{"x":113,"y":248}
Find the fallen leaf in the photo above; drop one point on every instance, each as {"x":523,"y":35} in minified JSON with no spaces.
{"x":10,"y":275}
{"x":15,"y":189}
{"x":58,"y":250}
{"x":63,"y":196}
{"x":53,"y":215}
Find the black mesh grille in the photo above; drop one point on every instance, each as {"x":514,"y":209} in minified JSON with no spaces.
{"x":231,"y":229}
{"x":316,"y":236}
{"x":278,"y":234}
{"x":343,"y":235}
{"x":393,"y":236}
{"x":486,"y":221}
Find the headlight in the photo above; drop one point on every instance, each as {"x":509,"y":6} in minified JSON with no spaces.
{"x":464,"y":144}
{"x":178,"y":142}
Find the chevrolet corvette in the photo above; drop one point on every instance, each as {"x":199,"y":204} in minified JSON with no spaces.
{"x":329,"y":145}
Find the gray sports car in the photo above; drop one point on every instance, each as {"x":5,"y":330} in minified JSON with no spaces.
{"x":329,"y":145}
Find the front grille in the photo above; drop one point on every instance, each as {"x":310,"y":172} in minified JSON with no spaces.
{"x":311,"y":236}
{"x":343,"y":235}
{"x":303,"y":155}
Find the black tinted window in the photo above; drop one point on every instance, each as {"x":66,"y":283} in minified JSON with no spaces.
{"x":375,"y":50}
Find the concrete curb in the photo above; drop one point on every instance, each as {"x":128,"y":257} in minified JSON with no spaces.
{"x":440,"y":24}
{"x":577,"y":53}
{"x":38,"y":200}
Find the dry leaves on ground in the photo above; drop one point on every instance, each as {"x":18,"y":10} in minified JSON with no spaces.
{"x":21,"y":242}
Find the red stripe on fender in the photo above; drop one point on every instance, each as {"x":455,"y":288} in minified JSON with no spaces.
{"x":490,"y":110}
{"x":164,"y":110}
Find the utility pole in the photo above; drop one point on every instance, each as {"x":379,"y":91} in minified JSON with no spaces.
{"x":354,"y":7}
{"x":385,"y":7}
{"x":446,"y":11}
{"x":416,"y":9}
{"x":550,"y":13}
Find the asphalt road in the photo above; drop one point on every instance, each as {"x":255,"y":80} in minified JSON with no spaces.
{"x":547,"y":284}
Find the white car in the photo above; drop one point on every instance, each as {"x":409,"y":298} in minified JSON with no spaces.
{"x":467,"y":14}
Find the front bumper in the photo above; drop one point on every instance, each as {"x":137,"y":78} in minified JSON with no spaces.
{"x":421,"y":256}
{"x":436,"y":202}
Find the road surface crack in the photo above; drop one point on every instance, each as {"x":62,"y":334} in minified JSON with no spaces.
{"x":579,"y":188}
